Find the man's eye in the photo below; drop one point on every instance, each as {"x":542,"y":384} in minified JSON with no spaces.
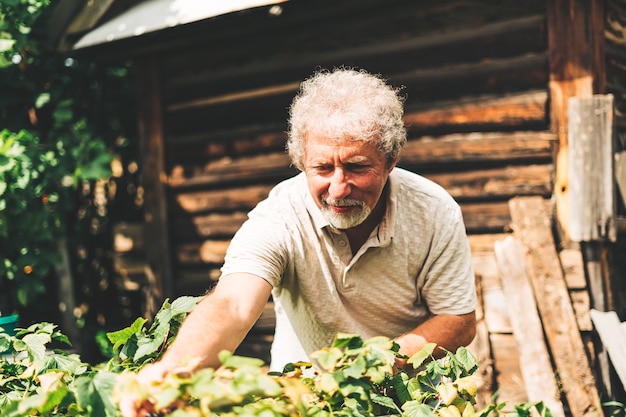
{"x":356,"y":167}
{"x":323,"y":168}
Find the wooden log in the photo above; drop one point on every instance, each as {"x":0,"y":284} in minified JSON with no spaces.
{"x":500,"y":183}
{"x":532,"y":226}
{"x":519,"y":31}
{"x":534,"y":357}
{"x":486,"y":217}
{"x":478,"y":148}
{"x":514,"y":110}
{"x":273,"y":166}
{"x":518,"y":73}
{"x":207,"y":226}
{"x":591,"y":174}
{"x":207,"y":252}
{"x":242,"y":198}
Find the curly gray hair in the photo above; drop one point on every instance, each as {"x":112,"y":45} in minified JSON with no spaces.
{"x":346,"y":103}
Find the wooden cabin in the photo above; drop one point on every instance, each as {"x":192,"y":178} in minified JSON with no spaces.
{"x":488,"y":86}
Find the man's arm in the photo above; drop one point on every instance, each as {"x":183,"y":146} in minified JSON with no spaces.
{"x":220,"y":321}
{"x":446,"y":330}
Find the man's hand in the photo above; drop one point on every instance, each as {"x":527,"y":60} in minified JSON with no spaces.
{"x":130,"y":403}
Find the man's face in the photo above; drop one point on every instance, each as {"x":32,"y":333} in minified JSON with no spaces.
{"x":346,"y":178}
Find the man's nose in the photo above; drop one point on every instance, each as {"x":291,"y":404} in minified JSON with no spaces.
{"x":339,"y":185}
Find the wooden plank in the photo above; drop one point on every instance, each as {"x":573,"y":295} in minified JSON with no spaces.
{"x":502,"y":182}
{"x":509,"y":380}
{"x":534,"y":357}
{"x":591,"y":175}
{"x":612,"y":332}
{"x":477,"y":147}
{"x":484,"y":243}
{"x":532,"y":226}
{"x":485,"y":380}
{"x":573,"y":268}
{"x":580,"y":302}
{"x":494,"y":301}
{"x":513,"y":110}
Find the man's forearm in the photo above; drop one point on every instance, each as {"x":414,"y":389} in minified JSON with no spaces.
{"x":219,"y":322}
{"x":447,"y":331}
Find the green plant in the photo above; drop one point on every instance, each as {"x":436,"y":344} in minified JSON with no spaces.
{"x":353,"y":377}
{"x":38,"y":380}
{"x":62,"y":121}
{"x":36,"y":187}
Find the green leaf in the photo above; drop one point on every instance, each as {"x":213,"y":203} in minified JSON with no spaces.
{"x":327,"y":358}
{"x":120,"y":337}
{"x":385,"y":401}
{"x":234,"y":361}
{"x":36,"y":346}
{"x":42,"y":100}
{"x":6,"y":44}
{"x":418,"y":358}
{"x":416,"y":409}
{"x":94,"y":393}
{"x":466,"y":359}
{"x":147,"y":346}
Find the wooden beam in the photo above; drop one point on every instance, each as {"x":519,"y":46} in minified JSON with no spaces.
{"x":532,"y":225}
{"x":505,"y":182}
{"x":534,"y":357}
{"x":513,"y":110}
{"x":591,"y":173}
{"x":478,"y":147}
{"x":152,"y":161}
{"x":576,"y":54}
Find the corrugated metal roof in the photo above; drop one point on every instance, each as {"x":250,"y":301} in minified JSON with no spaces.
{"x":154,"y":15}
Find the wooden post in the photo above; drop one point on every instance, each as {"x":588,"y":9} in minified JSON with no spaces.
{"x":153,"y":174}
{"x":576,"y":57}
{"x":591,"y":169}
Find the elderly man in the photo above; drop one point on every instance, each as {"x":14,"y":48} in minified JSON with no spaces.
{"x":351,"y":244}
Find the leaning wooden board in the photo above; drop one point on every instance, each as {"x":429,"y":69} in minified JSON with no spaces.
{"x":532,"y":226}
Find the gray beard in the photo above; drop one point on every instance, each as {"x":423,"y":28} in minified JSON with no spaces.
{"x":346,"y":221}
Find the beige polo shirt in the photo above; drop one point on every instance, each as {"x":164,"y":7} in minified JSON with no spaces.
{"x":416,"y":262}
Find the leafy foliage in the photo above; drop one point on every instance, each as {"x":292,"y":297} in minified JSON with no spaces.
{"x":64,"y":130}
{"x":353,"y":377}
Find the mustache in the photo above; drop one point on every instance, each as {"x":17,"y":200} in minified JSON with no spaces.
{"x":343,"y":202}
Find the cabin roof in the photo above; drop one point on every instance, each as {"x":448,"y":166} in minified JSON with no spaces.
{"x":101,"y":22}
